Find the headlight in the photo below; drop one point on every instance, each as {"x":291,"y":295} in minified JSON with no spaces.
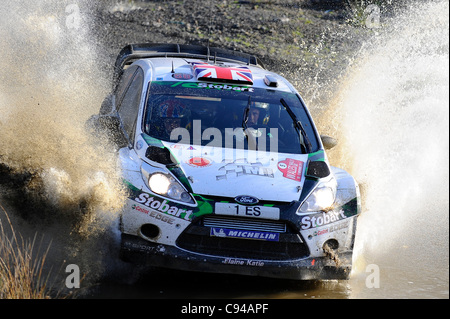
{"x":168,"y":186}
{"x":321,"y":199}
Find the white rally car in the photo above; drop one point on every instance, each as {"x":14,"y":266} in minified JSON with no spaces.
{"x":225,"y":169}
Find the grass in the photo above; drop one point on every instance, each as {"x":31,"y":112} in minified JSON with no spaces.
{"x":21,"y":267}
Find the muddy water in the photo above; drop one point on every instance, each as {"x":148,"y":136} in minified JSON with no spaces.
{"x":390,"y":115}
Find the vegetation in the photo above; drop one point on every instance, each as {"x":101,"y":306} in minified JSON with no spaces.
{"x":21,"y":267}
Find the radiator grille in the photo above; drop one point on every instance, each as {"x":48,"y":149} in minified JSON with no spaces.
{"x":245,"y":224}
{"x":197,"y":238}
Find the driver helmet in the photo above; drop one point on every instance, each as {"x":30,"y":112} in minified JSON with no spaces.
{"x":172,"y":109}
{"x":263,"y":108}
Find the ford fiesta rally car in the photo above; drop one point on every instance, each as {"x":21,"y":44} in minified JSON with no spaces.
{"x":225,"y":169}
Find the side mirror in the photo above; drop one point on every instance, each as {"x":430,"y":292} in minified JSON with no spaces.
{"x":108,"y":105}
{"x":328,"y":141}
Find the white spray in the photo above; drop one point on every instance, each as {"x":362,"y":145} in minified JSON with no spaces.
{"x":392,"y":118}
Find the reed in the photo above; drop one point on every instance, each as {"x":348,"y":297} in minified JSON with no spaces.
{"x":21,"y":265}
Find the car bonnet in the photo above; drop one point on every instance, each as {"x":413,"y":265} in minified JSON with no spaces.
{"x":223,"y":172}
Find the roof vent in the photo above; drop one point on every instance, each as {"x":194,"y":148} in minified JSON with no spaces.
{"x":271,"y":81}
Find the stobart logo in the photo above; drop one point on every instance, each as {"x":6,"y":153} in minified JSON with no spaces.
{"x":321,"y":219}
{"x":201,"y":85}
{"x":163,"y":206}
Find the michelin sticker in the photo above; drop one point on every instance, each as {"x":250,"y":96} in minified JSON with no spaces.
{"x":246,"y":234}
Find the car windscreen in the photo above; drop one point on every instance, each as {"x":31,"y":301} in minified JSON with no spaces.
{"x":225,"y":115}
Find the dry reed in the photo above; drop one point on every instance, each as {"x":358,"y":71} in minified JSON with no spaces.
{"x":21,"y":265}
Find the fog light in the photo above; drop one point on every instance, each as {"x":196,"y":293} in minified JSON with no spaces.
{"x":330,"y":244}
{"x":150,"y":231}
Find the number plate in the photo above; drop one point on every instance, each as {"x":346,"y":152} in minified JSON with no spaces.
{"x":231,"y":209}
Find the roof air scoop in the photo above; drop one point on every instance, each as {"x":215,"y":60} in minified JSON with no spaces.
{"x":208,"y":72}
{"x":270,"y":81}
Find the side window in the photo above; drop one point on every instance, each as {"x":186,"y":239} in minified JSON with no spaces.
{"x":128,"y":107}
{"x":124,"y":82}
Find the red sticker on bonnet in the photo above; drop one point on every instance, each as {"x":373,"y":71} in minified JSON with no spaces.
{"x":199,"y":162}
{"x":291,"y":168}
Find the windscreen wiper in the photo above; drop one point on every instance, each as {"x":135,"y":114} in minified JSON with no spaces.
{"x":252,"y":143}
{"x":299,"y":127}
{"x":246,"y":111}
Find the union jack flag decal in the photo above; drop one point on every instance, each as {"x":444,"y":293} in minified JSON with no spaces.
{"x":205,"y":71}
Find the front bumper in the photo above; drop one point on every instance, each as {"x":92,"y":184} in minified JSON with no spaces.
{"x":137,"y":250}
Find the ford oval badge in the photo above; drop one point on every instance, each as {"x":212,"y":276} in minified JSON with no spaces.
{"x":246,"y":200}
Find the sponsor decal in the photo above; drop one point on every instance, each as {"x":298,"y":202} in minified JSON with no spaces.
{"x":143,"y":247}
{"x":182,"y":76}
{"x":177,"y":146}
{"x":321,"y":219}
{"x":205,"y":85}
{"x":225,"y":87}
{"x":246,"y":234}
{"x":238,"y":169}
{"x":163,"y":206}
{"x":243,"y":262}
{"x":246,"y":200}
{"x":291,"y":168}
{"x":331,"y":229}
{"x":199,"y":162}
{"x":153,"y":214}
{"x":320,"y":232}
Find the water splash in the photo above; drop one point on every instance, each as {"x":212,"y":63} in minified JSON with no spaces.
{"x":50,"y":84}
{"x":51,"y":81}
{"x":392,"y":118}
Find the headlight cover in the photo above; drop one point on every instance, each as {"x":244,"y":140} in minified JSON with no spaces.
{"x":167,"y":186}
{"x":321,"y":199}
